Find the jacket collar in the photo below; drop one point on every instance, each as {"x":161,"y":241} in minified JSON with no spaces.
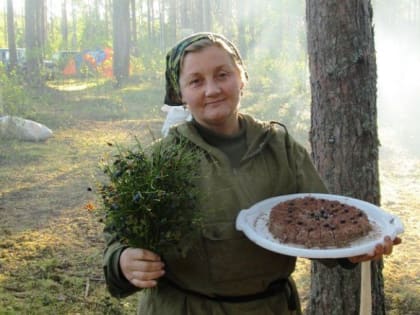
{"x":258,"y":134}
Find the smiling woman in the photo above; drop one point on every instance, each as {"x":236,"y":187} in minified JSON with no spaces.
{"x":242,"y":161}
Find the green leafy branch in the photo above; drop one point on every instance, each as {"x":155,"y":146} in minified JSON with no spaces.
{"x":151,"y":198}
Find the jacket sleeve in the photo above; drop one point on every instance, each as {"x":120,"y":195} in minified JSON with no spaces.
{"x":118,"y":286}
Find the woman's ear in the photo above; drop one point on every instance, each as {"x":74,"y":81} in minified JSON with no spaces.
{"x":241,"y":88}
{"x":242,"y":85}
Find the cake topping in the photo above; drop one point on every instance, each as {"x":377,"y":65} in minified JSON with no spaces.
{"x":293,"y":220}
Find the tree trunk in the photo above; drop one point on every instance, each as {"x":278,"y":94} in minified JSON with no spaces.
{"x":198,"y":16}
{"x":107,"y":18}
{"x":74,"y":38}
{"x":64,"y":25}
{"x":344,"y":135}
{"x":4,"y":27}
{"x":149,"y":20}
{"x":41,"y":26}
{"x":96,"y":8}
{"x":227,"y":18}
{"x":207,"y":18}
{"x":32,"y":39}
{"x":134,"y":27}
{"x":11,"y":39}
{"x":185,"y":14}
{"x":243,"y":10}
{"x":162,"y":24}
{"x":172,"y":23}
{"x":121,"y":40}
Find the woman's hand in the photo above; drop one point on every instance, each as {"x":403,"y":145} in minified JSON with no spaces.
{"x":141,"y":267}
{"x":380,"y":250}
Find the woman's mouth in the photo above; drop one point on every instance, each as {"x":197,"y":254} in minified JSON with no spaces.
{"x":216,"y":102}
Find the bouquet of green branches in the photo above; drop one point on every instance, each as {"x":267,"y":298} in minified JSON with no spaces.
{"x":150,"y":200}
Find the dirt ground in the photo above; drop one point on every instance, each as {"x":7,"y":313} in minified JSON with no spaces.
{"x":48,"y":239}
{"x":51,"y":245}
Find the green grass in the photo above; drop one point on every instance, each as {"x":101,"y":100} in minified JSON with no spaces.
{"x":51,"y":245}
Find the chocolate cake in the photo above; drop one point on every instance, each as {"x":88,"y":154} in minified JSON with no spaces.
{"x":314,"y":222}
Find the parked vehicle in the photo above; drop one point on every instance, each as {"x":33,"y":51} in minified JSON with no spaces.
{"x":4,"y":55}
{"x":5,"y":58}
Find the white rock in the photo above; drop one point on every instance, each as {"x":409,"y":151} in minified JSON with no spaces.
{"x":12,"y":127}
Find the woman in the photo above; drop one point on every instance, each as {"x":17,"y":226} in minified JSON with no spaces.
{"x":246,"y":161}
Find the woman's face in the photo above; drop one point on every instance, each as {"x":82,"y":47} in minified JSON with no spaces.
{"x":211,"y":86}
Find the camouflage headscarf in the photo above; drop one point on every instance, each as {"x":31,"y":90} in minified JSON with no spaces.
{"x":173,"y":63}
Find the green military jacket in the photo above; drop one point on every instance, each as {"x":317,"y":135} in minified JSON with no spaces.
{"x":223,"y":261}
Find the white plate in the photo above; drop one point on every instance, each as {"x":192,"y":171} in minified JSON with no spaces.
{"x":253,"y":222}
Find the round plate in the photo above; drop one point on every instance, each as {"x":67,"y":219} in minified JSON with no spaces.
{"x":253,"y":223}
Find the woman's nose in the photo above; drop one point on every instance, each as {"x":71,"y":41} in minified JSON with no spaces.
{"x":212,"y":88}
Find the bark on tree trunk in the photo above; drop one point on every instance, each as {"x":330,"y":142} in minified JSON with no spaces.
{"x":207,"y":21}
{"x":74,"y":25}
{"x":343,"y":135}
{"x":172,"y":23}
{"x":64,"y":25}
{"x":162,"y":24}
{"x":42,"y":27}
{"x":133,"y":11}
{"x":185,"y":14}
{"x":121,"y":40}
{"x":11,"y":39}
{"x":32,"y":41}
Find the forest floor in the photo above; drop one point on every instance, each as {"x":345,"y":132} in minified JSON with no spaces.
{"x":51,"y":244}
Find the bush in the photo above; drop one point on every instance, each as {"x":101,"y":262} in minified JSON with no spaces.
{"x":13,"y":98}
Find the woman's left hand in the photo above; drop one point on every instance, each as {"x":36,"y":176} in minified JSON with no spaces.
{"x":380,"y":250}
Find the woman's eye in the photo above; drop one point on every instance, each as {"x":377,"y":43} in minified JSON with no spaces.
{"x":223,"y":74}
{"x":194,"y":82}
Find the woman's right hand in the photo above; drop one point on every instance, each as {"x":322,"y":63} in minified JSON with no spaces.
{"x":141,"y":267}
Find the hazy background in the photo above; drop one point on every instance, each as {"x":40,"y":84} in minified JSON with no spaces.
{"x":281,"y":29}
{"x":398,"y":61}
